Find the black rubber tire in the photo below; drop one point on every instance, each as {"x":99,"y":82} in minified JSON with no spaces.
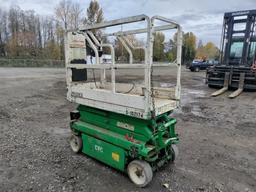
{"x":146,"y":170}
{"x":197,"y":69}
{"x":175,"y":152}
{"x":76,"y":143}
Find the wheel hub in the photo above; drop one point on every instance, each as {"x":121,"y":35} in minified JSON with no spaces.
{"x":138,"y":172}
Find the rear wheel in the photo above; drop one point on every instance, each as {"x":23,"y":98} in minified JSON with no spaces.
{"x":197,"y":69}
{"x":140,"y":172}
{"x":175,"y":152}
{"x":76,"y":143}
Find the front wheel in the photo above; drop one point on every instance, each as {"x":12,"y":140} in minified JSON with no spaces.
{"x":76,"y":143}
{"x":140,"y":172}
{"x":197,"y":69}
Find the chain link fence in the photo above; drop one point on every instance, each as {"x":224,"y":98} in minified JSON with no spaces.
{"x":31,"y":63}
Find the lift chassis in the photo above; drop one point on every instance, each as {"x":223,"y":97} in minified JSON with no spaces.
{"x":117,"y":139}
{"x":124,"y":125}
{"x":237,"y":59}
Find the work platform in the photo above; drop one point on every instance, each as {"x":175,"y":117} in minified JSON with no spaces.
{"x":132,"y":103}
{"x":132,"y":99}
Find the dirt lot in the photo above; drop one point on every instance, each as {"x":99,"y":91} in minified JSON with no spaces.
{"x":217,"y":139}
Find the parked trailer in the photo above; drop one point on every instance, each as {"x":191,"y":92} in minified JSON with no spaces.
{"x":127,"y":126}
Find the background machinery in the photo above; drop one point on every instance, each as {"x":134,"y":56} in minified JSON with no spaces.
{"x":237,"y":68}
{"x":125,"y":125}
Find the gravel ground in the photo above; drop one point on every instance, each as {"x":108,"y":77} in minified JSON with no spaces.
{"x":217,"y":139}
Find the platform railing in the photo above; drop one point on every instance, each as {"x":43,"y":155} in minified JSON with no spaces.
{"x":150,"y":30}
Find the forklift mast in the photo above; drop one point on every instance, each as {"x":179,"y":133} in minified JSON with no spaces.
{"x":237,"y":66}
{"x":238,"y":38}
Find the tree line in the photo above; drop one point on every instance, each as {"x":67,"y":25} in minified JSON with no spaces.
{"x":25,"y":34}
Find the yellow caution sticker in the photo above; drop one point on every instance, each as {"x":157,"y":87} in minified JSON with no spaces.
{"x":115,"y":156}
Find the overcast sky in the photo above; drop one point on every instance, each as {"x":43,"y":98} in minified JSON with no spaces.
{"x":202,"y":17}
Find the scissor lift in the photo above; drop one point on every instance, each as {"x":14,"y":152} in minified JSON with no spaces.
{"x":125,"y":125}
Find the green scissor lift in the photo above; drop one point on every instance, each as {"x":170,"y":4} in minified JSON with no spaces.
{"x":131,"y":131}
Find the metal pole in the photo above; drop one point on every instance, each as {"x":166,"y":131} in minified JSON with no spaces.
{"x":93,"y":47}
{"x":112,"y":60}
{"x":132,"y":46}
{"x":68,"y":70}
{"x":179,"y":50}
{"x":127,"y":49}
{"x":148,"y":64}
